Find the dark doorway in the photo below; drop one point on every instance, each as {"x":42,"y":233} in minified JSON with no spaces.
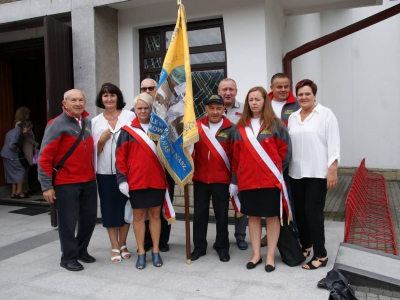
{"x":26,"y":84}
{"x":35,"y":73}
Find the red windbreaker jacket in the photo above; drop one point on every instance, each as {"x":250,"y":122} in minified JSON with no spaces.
{"x":206,"y":168}
{"x":246,"y":171}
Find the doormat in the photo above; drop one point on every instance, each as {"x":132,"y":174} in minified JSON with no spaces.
{"x":31,"y":211}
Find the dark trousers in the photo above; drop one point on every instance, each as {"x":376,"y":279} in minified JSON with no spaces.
{"x":76,"y":203}
{"x":240,"y":226}
{"x":309,"y":198}
{"x":165,"y":228}
{"x":220,"y":200}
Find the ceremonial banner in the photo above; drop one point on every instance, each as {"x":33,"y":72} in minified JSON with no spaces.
{"x":173,"y":121}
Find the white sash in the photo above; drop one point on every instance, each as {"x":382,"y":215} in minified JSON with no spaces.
{"x":217,"y":146}
{"x":267,"y":160}
{"x":153,"y":147}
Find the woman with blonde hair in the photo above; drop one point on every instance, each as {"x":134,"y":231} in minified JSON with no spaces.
{"x":261,"y":151}
{"x":142,"y":178}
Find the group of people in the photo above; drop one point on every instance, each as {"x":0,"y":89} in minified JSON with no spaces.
{"x":273,"y":155}
{"x":17,"y":153}
{"x":278,"y":155}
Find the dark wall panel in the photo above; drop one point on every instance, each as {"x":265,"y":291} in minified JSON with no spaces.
{"x":59,"y":64}
{"x":6,"y":111}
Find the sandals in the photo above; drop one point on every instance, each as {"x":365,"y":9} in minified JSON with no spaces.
{"x":13,"y":196}
{"x":18,"y":196}
{"x":312,"y":267}
{"x":125,"y":254}
{"x":157,"y":261}
{"x":117,"y":258}
{"x":141,"y":261}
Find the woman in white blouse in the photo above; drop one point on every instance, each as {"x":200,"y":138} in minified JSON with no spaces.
{"x":105,"y":129}
{"x":314,"y":132}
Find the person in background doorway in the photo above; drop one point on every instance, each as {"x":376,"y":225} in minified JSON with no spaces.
{"x":14,"y":171}
{"x":29,"y":146}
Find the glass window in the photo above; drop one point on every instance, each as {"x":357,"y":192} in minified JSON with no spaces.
{"x":201,"y":37}
{"x":150,"y":63}
{"x":152,"y":43}
{"x":205,"y":83}
{"x":207,"y":57}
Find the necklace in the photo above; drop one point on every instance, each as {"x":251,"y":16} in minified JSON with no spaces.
{"x":110,"y":117}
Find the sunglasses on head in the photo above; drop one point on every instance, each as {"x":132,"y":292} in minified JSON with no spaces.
{"x":150,"y":88}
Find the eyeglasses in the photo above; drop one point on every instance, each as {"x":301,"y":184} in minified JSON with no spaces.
{"x":150,"y":88}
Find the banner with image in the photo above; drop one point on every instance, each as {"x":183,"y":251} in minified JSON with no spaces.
{"x":173,"y":121}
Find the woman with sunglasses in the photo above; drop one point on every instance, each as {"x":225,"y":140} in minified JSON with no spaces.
{"x":106,"y":128}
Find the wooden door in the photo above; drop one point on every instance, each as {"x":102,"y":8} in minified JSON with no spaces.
{"x":59,"y":64}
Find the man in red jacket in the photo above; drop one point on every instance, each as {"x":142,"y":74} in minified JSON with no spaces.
{"x":75,"y":183}
{"x":284,"y":103}
{"x":211,"y":178}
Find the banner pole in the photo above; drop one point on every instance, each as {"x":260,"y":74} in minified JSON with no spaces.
{"x":187,"y":224}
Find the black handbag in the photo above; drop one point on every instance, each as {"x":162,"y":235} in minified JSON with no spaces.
{"x":24,"y":162}
{"x":289,"y":246}
{"x":338,"y":286}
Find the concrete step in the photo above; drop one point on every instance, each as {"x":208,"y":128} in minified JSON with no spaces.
{"x":369,"y":268}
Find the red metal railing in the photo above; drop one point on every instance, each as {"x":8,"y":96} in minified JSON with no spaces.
{"x":368,"y":222}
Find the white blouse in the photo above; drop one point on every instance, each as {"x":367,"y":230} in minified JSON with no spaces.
{"x":315,"y":143}
{"x":104,"y":163}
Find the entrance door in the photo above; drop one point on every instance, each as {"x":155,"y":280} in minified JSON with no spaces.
{"x":59,"y":64}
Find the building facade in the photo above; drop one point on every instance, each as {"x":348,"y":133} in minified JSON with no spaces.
{"x":114,"y":41}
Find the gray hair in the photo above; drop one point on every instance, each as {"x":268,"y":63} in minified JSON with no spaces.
{"x":145,"y":98}
{"x":66,"y":93}
{"x":227,"y":79}
{"x":154,"y":82}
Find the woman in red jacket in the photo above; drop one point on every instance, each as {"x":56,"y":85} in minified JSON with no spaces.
{"x":141,"y":177}
{"x":261,"y":151}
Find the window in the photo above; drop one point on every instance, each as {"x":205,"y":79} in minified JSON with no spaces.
{"x":207,"y":56}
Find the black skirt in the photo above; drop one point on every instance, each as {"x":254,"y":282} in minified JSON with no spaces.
{"x":260,"y":202}
{"x":146,"y":198}
{"x":112,"y":201}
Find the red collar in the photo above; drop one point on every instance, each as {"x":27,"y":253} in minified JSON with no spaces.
{"x":225,"y":122}
{"x":84,"y":114}
{"x":290,"y":99}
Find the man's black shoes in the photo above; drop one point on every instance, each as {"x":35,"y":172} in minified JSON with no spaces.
{"x":224,"y":256}
{"x":86,"y":258}
{"x":72,"y":266}
{"x":164,"y":247}
{"x":196,"y":255}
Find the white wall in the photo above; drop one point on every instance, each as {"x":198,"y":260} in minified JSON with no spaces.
{"x":300,"y":30}
{"x":244,"y":25}
{"x":361,"y":83}
{"x":274,"y":29}
{"x":358,"y":77}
